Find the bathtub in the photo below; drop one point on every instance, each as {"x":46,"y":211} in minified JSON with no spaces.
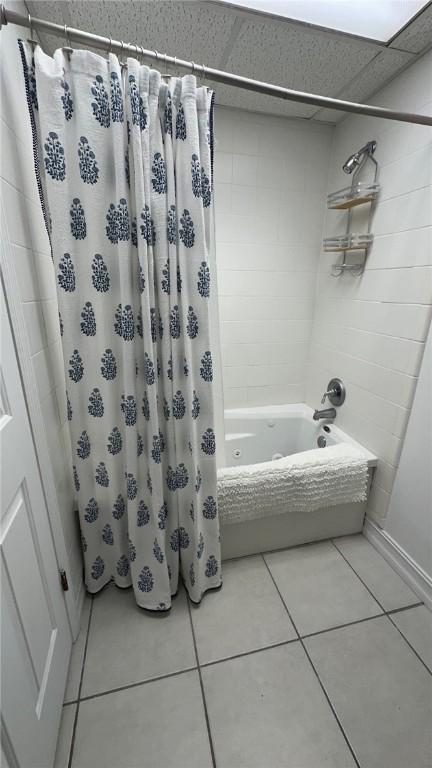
{"x":253,"y":435}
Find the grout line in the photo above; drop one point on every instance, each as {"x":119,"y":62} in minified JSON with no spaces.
{"x":299,"y":638}
{"x":387,"y":613}
{"x":371,"y":333}
{"x":72,"y":744}
{"x":408,"y":643}
{"x":236,"y":655}
{"x":327,"y":346}
{"x":248,"y":653}
{"x":359,"y":577}
{"x":404,"y":608}
{"x":342,"y":626}
{"x":137,"y":684}
{"x":271,"y":551}
{"x":213,"y":756}
{"x":314,"y":669}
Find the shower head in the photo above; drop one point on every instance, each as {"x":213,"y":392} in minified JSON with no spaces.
{"x":355,"y":160}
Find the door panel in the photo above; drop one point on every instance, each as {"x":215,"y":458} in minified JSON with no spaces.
{"x":35,"y":634}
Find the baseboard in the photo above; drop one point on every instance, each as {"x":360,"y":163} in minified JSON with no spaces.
{"x":403,"y":564}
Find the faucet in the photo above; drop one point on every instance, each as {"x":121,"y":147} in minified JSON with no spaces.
{"x":336,"y":394}
{"x":326,"y":413}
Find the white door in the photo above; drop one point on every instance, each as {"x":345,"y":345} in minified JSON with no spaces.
{"x":35,"y":634}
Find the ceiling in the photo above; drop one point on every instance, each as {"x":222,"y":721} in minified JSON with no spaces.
{"x":256,"y":45}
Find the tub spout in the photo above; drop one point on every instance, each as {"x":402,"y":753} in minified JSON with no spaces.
{"x":326,"y":413}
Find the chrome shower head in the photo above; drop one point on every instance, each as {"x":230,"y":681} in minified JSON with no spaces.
{"x":356,"y":159}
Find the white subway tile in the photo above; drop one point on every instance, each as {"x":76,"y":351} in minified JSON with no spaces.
{"x":385,"y":414}
{"x":223,"y":166}
{"x":402,"y":320}
{"x":273,"y":375}
{"x":391,"y":385}
{"x":412,"y":248}
{"x":35,"y":326}
{"x":408,"y":211}
{"x":24,"y":265}
{"x":270,"y":353}
{"x":406,"y":174}
{"x":234,"y":377}
{"x":259,"y":332}
{"x":51,"y":320}
{"x":235,"y":397}
{"x":275,"y":395}
{"x":243,"y":200}
{"x":17,"y":164}
{"x":245,"y":139}
{"x":13,"y":105}
{"x":49,"y":369}
{"x":25,"y":224}
{"x":378,"y":503}
{"x":223,"y":131}
{"x":384,"y":475}
{"x":384,"y":444}
{"x":404,"y":286}
{"x":270,"y":172}
{"x":234,"y":229}
{"x":267,"y":309}
{"x":266,"y":284}
{"x":397,"y":354}
{"x":245,"y":169}
{"x":222,"y":197}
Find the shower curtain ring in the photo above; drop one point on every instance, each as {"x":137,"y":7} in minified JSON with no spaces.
{"x":67,"y":48}
{"x":203,"y":74}
{"x":110,"y":45}
{"x":193,"y":68}
{"x":30,"y":23}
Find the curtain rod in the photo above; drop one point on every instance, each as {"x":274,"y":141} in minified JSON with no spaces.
{"x":8,"y":16}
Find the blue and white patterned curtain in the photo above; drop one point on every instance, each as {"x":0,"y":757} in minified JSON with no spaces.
{"x":124,"y":165}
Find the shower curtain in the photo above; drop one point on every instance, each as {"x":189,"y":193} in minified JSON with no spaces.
{"x":124,"y":167}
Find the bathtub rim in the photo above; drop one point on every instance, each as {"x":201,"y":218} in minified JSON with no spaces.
{"x":291,"y":409}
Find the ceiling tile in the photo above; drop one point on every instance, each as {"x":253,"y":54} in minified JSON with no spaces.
{"x":373,"y":77}
{"x":190,"y":30}
{"x":280,"y":52}
{"x":296,"y":57}
{"x":418,"y":35}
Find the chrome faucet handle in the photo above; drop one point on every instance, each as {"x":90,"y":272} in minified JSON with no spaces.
{"x":329,"y":392}
{"x":335,"y":392}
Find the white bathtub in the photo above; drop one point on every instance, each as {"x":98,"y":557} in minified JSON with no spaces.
{"x":253,"y":435}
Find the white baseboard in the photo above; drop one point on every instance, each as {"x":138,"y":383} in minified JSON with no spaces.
{"x":416,"y":578}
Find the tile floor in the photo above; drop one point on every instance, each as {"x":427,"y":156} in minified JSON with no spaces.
{"x":318,"y":656}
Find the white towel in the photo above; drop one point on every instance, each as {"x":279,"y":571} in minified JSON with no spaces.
{"x":302,"y":482}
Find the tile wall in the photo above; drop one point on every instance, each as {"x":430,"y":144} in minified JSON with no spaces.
{"x":370,"y":331}
{"x":270,"y":184}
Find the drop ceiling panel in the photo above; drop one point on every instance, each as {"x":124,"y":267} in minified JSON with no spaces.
{"x":418,"y":35}
{"x":189,"y":30}
{"x":259,"y":47}
{"x":373,"y":77}
{"x":296,"y":57}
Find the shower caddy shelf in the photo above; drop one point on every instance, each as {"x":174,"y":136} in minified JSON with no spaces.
{"x":357,"y":194}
